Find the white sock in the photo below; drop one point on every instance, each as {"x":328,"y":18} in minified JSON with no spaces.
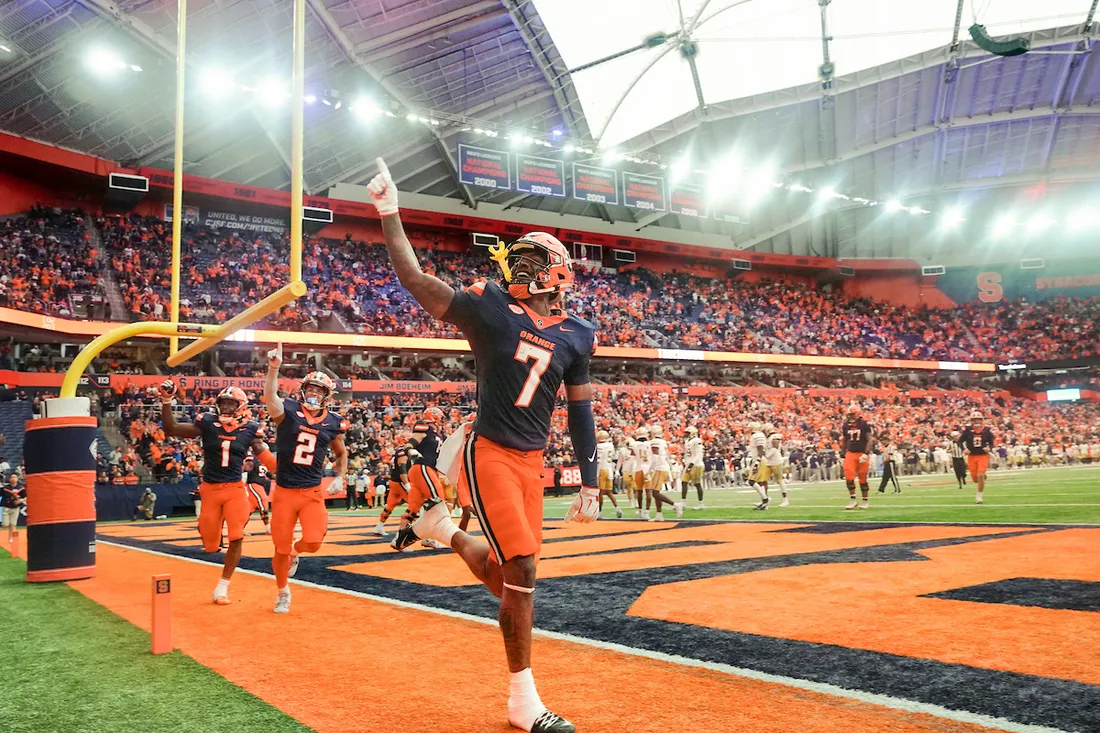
{"x":760,"y":490}
{"x":380,"y":526}
{"x":524,"y":705}
{"x":446,"y":532}
{"x":222,"y":588}
{"x":284,"y":590}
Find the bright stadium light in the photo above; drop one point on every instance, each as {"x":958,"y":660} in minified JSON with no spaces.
{"x":680,"y":168}
{"x":1083,"y":219}
{"x":612,"y":156}
{"x":105,"y":62}
{"x":310,"y":98}
{"x":1003,"y":226}
{"x":4,"y":48}
{"x":952,"y":218}
{"x":568,"y":148}
{"x":216,"y":82}
{"x":758,"y":184}
{"x":1039,"y":223}
{"x":271,"y":92}
{"x":893,"y":205}
{"x":366,"y":109}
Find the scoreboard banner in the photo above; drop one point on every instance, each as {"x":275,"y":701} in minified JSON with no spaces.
{"x":595,"y":185}
{"x":643,"y":192}
{"x":688,"y":199}
{"x":542,"y":176}
{"x":484,"y":168}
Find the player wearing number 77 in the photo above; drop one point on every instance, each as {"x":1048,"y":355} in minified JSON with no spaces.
{"x":305,"y":432}
{"x":226,"y":436}
{"x":525,"y":346}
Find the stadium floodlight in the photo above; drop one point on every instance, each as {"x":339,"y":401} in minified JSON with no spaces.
{"x":4,"y":48}
{"x":366,"y":110}
{"x":894,"y":205}
{"x":680,"y":168}
{"x":310,"y":98}
{"x":758,"y":184}
{"x":556,"y":133}
{"x":952,"y":218}
{"x":1003,"y":225}
{"x":105,"y":62}
{"x":411,"y":117}
{"x":216,"y":82}
{"x":568,"y":148}
{"x":1039,"y":223}
{"x":612,"y":156}
{"x":135,"y":67}
{"x":271,"y":92}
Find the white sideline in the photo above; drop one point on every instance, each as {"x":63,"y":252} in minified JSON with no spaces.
{"x":887,"y":701}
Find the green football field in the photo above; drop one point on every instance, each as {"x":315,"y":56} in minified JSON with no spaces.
{"x":1069,"y":495}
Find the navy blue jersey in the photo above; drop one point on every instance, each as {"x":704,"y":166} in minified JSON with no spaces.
{"x":223,"y":452}
{"x":301,"y":444}
{"x":977,"y":443}
{"x":427,"y":447}
{"x":522,"y":359}
{"x":857,"y":436}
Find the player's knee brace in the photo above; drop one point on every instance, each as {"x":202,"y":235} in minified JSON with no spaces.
{"x":851,"y":485}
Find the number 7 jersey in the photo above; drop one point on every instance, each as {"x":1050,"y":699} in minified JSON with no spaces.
{"x":522,"y":359}
{"x":301,"y":445}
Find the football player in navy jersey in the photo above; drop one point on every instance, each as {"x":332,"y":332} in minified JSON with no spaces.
{"x":525,"y":347}
{"x":425,"y":483}
{"x":226,"y":435}
{"x":305,"y":433}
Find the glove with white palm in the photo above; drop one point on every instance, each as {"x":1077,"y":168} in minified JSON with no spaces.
{"x":586,"y":507}
{"x":336,"y":485}
{"x":382,"y":190}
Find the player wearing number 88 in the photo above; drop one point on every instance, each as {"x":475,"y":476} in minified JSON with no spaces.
{"x":226,"y":435}
{"x":525,"y":346}
{"x":306,"y":431}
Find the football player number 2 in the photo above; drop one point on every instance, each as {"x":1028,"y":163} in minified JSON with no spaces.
{"x":526,"y":352}
{"x":303,"y":454}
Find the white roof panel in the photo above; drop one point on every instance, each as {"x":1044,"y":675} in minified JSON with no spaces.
{"x":748,"y":47}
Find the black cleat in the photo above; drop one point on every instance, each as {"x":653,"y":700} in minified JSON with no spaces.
{"x":404,"y":539}
{"x":762,"y":505}
{"x":548,"y":722}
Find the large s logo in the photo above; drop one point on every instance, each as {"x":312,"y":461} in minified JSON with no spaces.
{"x":989,"y":287}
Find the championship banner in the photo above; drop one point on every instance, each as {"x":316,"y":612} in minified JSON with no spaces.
{"x":541,"y":176}
{"x":644,"y":192}
{"x":244,"y":222}
{"x":687,"y":199}
{"x":595,"y":185}
{"x":190,"y":214}
{"x":484,"y":168}
{"x":726,"y":211}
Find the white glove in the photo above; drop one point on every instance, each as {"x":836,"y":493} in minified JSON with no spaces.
{"x":336,"y":485}
{"x":275,"y":357}
{"x":585,"y":508}
{"x":382,"y":190}
{"x":863,"y":458}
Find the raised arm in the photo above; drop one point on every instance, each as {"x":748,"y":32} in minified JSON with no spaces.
{"x":168,"y":418}
{"x":433,"y":294}
{"x":272,"y":402}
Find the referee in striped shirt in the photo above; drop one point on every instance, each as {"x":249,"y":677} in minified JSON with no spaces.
{"x":958,"y":458}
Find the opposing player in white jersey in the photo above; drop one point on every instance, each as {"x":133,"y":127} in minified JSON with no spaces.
{"x":755,"y":451}
{"x":774,"y":458}
{"x":693,"y":466}
{"x":660,"y":472}
{"x":639,"y":448}
{"x":625,"y":462}
{"x":605,"y":470}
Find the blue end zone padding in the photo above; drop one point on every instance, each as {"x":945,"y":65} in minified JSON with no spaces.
{"x":118,"y":502}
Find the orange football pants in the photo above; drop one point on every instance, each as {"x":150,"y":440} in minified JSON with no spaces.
{"x":506,"y":491}
{"x":978,"y":464}
{"x":226,"y":503}
{"x":291,"y":506}
{"x":395,"y":496}
{"x":257,"y":498}
{"x":424,"y":483}
{"x":853,"y":468}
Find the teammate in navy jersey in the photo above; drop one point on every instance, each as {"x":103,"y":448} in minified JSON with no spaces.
{"x":425,"y":483}
{"x":397,"y":492}
{"x":855,"y":444}
{"x":226,"y":436}
{"x":305,"y":432}
{"x":525,"y":346}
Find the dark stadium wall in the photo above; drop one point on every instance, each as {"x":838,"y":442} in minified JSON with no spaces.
{"x":994,"y":284}
{"x":18,"y":195}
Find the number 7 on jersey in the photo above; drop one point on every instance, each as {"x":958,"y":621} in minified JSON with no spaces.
{"x":525,"y":352}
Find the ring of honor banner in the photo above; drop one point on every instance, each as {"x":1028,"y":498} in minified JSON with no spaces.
{"x":542,"y":176}
{"x":688,"y":199}
{"x":595,"y":185}
{"x":484,"y":168}
{"x":643,"y":192}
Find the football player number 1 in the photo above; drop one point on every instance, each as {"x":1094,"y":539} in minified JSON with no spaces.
{"x":225,"y":452}
{"x":526,"y":352}
{"x":303,"y":454}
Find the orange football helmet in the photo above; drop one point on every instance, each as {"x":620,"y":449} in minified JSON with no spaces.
{"x":319,"y":379}
{"x":554,"y":275}
{"x":232,"y":406}
{"x":432,"y":416}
